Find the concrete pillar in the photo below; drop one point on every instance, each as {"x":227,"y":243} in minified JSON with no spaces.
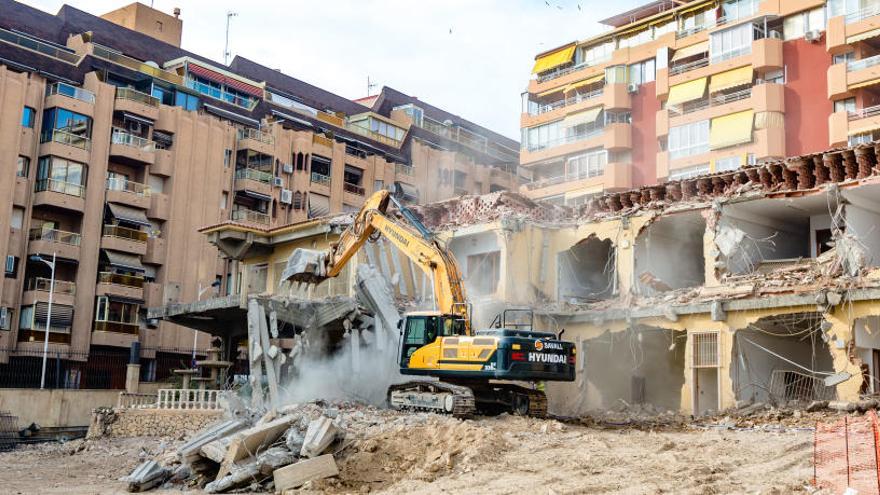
{"x":132,"y":378}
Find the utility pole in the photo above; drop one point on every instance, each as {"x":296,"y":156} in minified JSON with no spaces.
{"x":229,"y":15}
{"x":370,"y":86}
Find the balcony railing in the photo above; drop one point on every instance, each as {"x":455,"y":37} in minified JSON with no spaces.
{"x":688,"y":66}
{"x":555,"y":74}
{"x":39,"y":46}
{"x":571,"y":176}
{"x":353,"y":188}
{"x":572,"y":138}
{"x":134,"y":64}
{"x":68,"y":138}
{"x":43,"y":284}
{"x":684,"y":33}
{"x":714,"y":101}
{"x":363,"y":131}
{"x":117,"y":327}
{"x":864,"y":13}
{"x":256,"y":135}
{"x":136,"y":96}
{"x":320,"y":179}
{"x":125,"y":233}
{"x":58,"y":186}
{"x":253,"y":174}
{"x":402,"y":169}
{"x":238,"y":100}
{"x":125,"y":185}
{"x":864,"y":113}
{"x":53,"y":235}
{"x":863,"y":63}
{"x":120,"y":279}
{"x":739,"y":52}
{"x":250,"y":216}
{"x":566,"y":102}
{"x":124,"y":138}
{"x":63,"y":89}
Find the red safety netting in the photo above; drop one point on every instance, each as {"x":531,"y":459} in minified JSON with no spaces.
{"x":846,"y":453}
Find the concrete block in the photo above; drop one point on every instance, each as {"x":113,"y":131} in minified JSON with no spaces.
{"x":296,"y":475}
{"x":147,"y":475}
{"x":211,"y":433}
{"x":319,"y":435}
{"x":238,"y":476}
{"x":248,"y":442}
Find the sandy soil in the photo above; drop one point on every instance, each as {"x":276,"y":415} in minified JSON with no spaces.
{"x":492,"y":455}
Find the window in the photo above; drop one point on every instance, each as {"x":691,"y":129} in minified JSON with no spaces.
{"x":187,"y":101}
{"x":159,"y":26}
{"x":17,"y":217}
{"x":164,"y":95}
{"x":227,"y":158}
{"x":542,"y":136}
{"x":23,"y":166}
{"x":378,"y":185}
{"x":163,"y":140}
{"x":483,"y":272}
{"x":353,"y":175}
{"x":594,"y":55}
{"x":846,"y":105}
{"x":697,"y":21}
{"x":27,"y":117}
{"x":284,"y":101}
{"x":588,"y":165}
{"x":844,"y":58}
{"x":415,"y":114}
{"x":796,"y":25}
{"x":730,"y":43}
{"x":618,"y":117}
{"x":688,"y":172}
{"x":224,"y":200}
{"x":642,"y":72}
{"x":737,"y":9}
{"x":458,"y":179}
{"x":844,"y":7}
{"x":727,"y":163}
{"x":321,"y":166}
{"x":116,"y":311}
{"x":64,"y":126}
{"x":616,"y":74}
{"x":11,"y":266}
{"x":689,"y":139}
{"x":59,"y":175}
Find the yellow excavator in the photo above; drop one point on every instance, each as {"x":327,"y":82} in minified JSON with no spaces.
{"x":474,"y":368}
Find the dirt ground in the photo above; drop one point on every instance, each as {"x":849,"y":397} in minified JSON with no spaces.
{"x":430,"y":454}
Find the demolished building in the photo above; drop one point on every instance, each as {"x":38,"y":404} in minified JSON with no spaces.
{"x":758,"y":284}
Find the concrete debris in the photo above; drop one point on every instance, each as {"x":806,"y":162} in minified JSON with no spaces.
{"x":302,"y":472}
{"x":319,"y":436}
{"x":305,"y":266}
{"x":147,"y":475}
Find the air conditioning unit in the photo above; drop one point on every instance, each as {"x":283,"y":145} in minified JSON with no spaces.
{"x":813,"y":36}
{"x":632,"y":88}
{"x":4,"y":318}
{"x":286,"y":196}
{"x":288,"y":168}
{"x":278,"y":182}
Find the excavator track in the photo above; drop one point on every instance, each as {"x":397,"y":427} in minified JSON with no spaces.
{"x":438,"y":397}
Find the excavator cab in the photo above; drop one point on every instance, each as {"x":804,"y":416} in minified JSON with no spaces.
{"x":420,"y":329}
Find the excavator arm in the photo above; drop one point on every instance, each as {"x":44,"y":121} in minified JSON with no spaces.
{"x":416,"y":242}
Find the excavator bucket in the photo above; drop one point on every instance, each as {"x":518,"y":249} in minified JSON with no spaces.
{"x":306,"y":265}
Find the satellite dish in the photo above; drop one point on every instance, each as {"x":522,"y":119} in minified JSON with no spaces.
{"x":152,"y":64}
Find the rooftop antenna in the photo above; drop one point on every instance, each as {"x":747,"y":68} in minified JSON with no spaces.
{"x":370,"y":86}
{"x":229,"y":15}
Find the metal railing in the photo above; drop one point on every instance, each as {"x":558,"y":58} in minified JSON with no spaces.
{"x":59,"y":186}
{"x":124,"y":185}
{"x":117,"y":327}
{"x":864,"y":113}
{"x":714,"y":101}
{"x":136,"y":96}
{"x":555,"y":74}
{"x":64,"y":89}
{"x":125,"y":233}
{"x":862,"y":63}
{"x":353,"y":188}
{"x":125,"y":138}
{"x":864,"y":13}
{"x":39,"y":46}
{"x":105,"y":53}
{"x":566,"y":102}
{"x":120,"y":279}
{"x":68,"y":138}
{"x":253,"y":174}
{"x":684,"y":33}
{"x":402,"y":169}
{"x":588,"y":174}
{"x":793,"y":385}
{"x":250,"y":216}
{"x":238,"y":100}
{"x":739,"y":52}
{"x":566,"y":139}
{"x":363,"y":131}
{"x":175,"y":398}
{"x":320,"y":179}
{"x":42,"y":284}
{"x":256,"y":135}
{"x":676,"y":69}
{"x":54,"y":235}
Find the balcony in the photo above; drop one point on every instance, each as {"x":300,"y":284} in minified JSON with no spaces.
{"x":37,"y":290}
{"x":353,"y":189}
{"x":40,"y":47}
{"x":64,"y":144}
{"x":156,"y":251}
{"x":135,"y":102}
{"x":115,"y":284}
{"x":164,"y":163}
{"x":255,"y":139}
{"x":126,"y":192}
{"x":254,"y":180}
{"x":244,"y":215}
{"x":117,"y":327}
{"x":861,"y":121}
{"x":110,"y":55}
{"x":322,"y":141}
{"x":70,"y":97}
{"x":556,"y":109}
{"x":124,"y":239}
{"x":57,"y":335}
{"x":48,"y":241}
{"x":131,"y":149}
{"x":562,"y":146}
{"x":321,"y":179}
{"x":60,"y":194}
{"x":699,"y":63}
{"x":608,"y":177}
{"x":160,"y":206}
{"x":246,"y":102}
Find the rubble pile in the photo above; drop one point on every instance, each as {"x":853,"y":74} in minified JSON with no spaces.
{"x":328,"y":447}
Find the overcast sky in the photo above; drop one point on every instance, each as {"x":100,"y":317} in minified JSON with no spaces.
{"x":470,"y":57}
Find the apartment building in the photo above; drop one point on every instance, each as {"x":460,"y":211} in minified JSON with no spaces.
{"x":118,"y":146}
{"x":680,"y":89}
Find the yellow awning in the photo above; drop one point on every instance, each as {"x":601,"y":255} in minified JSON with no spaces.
{"x":554,"y":59}
{"x":694,"y":8}
{"x":731,"y":129}
{"x":864,"y":84}
{"x":864,"y":36}
{"x":867,"y":126}
{"x":731,"y":79}
{"x":549,"y":92}
{"x":690,"y":51}
{"x":691,"y":90}
{"x":585,"y":117}
{"x":585,"y":82}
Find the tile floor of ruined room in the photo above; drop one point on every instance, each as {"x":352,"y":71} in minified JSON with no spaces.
{"x":485,"y":455}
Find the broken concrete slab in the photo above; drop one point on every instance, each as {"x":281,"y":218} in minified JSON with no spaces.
{"x":319,"y":435}
{"x":249,"y":442}
{"x":296,"y":475}
{"x":239,"y":475}
{"x":211,"y":433}
{"x":274,"y":458}
{"x":842,"y":405}
{"x":147,"y":475}
{"x":216,"y":450}
{"x":306,"y":265}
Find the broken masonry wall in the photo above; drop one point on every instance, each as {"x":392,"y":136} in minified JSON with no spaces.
{"x":587,"y":271}
{"x":480,"y":262}
{"x":669,"y":253}
{"x":747,"y":240}
{"x":867,"y":344}
{"x":864,"y":224}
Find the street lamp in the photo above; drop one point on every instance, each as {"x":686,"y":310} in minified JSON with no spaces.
{"x":51,"y":265}
{"x":216,"y":283}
